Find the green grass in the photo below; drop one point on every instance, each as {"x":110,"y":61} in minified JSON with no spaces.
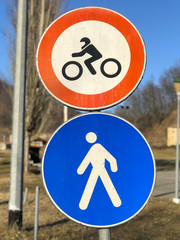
{"x":165,"y":158}
{"x":164,"y":153}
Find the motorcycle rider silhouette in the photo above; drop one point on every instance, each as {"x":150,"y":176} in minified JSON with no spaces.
{"x":91,"y":50}
{"x":94,"y":55}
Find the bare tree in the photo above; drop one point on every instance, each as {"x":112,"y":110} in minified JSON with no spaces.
{"x":152,"y":103}
{"x":6,"y":95}
{"x":10,"y":33}
{"x":39,"y":104}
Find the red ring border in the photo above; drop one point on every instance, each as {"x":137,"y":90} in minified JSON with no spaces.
{"x":96,"y":101}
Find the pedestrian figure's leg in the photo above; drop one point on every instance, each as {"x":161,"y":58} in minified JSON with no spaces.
{"x":110,"y":189}
{"x":88,"y":190}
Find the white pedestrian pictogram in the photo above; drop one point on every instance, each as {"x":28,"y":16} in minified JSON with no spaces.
{"x":97,"y":156}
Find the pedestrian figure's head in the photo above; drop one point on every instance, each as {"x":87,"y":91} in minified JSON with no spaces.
{"x":86,"y":41}
{"x":91,"y":137}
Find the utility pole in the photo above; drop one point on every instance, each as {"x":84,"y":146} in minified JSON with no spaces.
{"x":17,"y":152}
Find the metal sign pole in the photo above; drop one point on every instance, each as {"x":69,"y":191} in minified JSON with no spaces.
{"x":65,"y":113}
{"x":176,"y":199}
{"x":36,"y":216}
{"x":177,"y":149}
{"x":105,"y":234}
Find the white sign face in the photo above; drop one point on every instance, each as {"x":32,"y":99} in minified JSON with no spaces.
{"x":107,"y":40}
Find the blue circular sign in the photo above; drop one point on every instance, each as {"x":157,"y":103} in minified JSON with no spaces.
{"x":98,"y":170}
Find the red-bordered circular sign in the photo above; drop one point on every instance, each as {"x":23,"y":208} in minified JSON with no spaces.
{"x":91,"y":58}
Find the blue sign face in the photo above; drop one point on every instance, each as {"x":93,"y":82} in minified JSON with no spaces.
{"x":98,"y":170}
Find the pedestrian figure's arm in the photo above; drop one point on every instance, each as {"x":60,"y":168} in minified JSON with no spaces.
{"x":82,"y":167}
{"x":112,"y":161}
{"x":113,"y":164}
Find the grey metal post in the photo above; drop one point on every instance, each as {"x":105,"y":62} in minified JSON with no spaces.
{"x":176,"y":199}
{"x":36,"y":217}
{"x":177,"y":145}
{"x":25,"y":195}
{"x":105,"y":234}
{"x":65,"y":113}
{"x":17,"y":153}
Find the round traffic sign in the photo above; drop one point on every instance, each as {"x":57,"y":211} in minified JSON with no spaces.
{"x":91,"y":58}
{"x":98,"y":170}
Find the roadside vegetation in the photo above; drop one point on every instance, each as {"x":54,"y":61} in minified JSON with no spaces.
{"x":159,"y":220}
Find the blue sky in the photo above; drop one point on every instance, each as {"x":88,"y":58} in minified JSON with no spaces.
{"x":158,"y":22}
{"x":4,"y":61}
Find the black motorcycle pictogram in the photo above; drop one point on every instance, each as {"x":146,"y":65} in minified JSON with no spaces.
{"x":95,"y":55}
